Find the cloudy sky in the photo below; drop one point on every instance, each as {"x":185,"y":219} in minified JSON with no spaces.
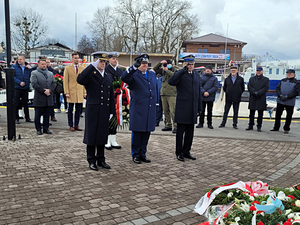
{"x":266,"y":25}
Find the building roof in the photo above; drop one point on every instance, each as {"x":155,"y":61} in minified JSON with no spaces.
{"x":212,"y":38}
{"x":54,"y":45}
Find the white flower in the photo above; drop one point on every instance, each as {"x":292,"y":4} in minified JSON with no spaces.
{"x":124,"y":113}
{"x":123,"y":107}
{"x":245,"y":207}
{"x":237,"y":191}
{"x":230,"y":194}
{"x":291,"y":215}
{"x":251,"y":198}
{"x":237,"y":219}
{"x":288,"y":211}
{"x":297,"y":203}
{"x":124,"y":121}
{"x":291,"y":189}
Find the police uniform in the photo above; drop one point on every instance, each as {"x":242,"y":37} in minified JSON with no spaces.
{"x":115,"y":73}
{"x":100,"y":105}
{"x":142,"y":110}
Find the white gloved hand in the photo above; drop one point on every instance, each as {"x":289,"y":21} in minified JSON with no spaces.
{"x":110,"y":116}
{"x":95,"y":63}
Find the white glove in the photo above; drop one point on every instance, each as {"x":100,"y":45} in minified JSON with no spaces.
{"x":95,"y":63}
{"x":110,"y":116}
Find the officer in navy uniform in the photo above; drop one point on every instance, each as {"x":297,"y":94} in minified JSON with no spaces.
{"x":100,"y":107}
{"x":115,"y":72}
{"x":188,"y":106}
{"x":142,"y":112}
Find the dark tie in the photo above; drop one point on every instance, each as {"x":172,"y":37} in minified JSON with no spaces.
{"x":76,"y":69}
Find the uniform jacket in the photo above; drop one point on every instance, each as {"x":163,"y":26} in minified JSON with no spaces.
{"x":22,"y":77}
{"x":40,"y":82}
{"x":188,"y":100}
{"x":166,"y":88}
{"x":210,"y":84}
{"x":100,"y":103}
{"x":71,"y":86}
{"x":258,"y":84}
{"x":234,"y":90}
{"x":142,"y":112}
{"x":115,"y":74}
{"x":289,"y":87}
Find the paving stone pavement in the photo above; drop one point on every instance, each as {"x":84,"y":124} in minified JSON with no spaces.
{"x":46,"y":180}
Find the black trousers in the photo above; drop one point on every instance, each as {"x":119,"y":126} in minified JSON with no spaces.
{"x":58,"y":103}
{"x":52,"y":114}
{"x":78,"y":110}
{"x":139,"y":142}
{"x":184,"y":138}
{"x":288,"y":118}
{"x":39,"y":111}
{"x":112,"y":130}
{"x":236,"y":106}
{"x":92,"y":156}
{"x":23,"y":95}
{"x":209,"y":112}
{"x":259,"y":117}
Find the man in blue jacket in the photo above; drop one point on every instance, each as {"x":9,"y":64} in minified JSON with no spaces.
{"x":142,"y":83}
{"x":22,"y":81}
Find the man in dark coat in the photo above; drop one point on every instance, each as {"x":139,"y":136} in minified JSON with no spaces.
{"x":257,"y":87}
{"x":287,"y":91}
{"x":209,"y":87}
{"x":22,"y":82}
{"x":234,"y":87}
{"x":100,"y":107}
{"x":43,"y":83}
{"x":49,"y":67}
{"x":188,"y":105}
{"x":115,"y":72}
{"x":142,"y":83}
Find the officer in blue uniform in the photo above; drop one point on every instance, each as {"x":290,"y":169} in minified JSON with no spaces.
{"x":142,"y":112}
{"x":100,"y":107}
{"x":115,"y":72}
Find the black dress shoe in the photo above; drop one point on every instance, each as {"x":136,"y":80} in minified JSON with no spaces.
{"x":104,"y":165}
{"x":274,"y":129}
{"x":189,"y":156}
{"x":47,"y":132}
{"x":116,"y":147}
{"x":166,"y":129}
{"x":286,"y":132}
{"x":157,"y":125}
{"x":259,"y":129}
{"x":199,"y":126}
{"x":93,"y":167}
{"x":21,"y":117}
{"x":145,"y":159}
{"x":39,"y":132}
{"x":17,"y":122}
{"x":235,"y":126}
{"x":174,"y":131}
{"x":108,"y":148}
{"x":137,"y":160}
{"x":222,"y":125}
{"x":249,"y":128}
{"x":29,"y":121}
{"x":210,"y":127}
{"x":180,"y":158}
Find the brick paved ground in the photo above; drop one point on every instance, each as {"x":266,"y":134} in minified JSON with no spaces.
{"x":45,"y":179}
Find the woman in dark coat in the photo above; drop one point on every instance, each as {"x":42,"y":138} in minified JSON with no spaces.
{"x":257,"y":87}
{"x":100,"y":106}
{"x":142,"y":110}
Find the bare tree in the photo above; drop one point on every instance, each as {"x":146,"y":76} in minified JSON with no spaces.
{"x":85,"y":45}
{"x":48,"y":40}
{"x":28,"y":29}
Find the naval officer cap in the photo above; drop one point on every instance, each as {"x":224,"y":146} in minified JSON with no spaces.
{"x":100,"y":55}
{"x":259,"y":68}
{"x":189,"y":58}
{"x":113,"y":55}
{"x":143,"y":58}
{"x":290,"y":71}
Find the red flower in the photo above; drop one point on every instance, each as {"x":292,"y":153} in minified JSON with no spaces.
{"x":226,"y":214}
{"x":125,"y":103}
{"x":288,"y":222}
{"x":205,"y":223}
{"x":252,"y":208}
{"x":124,"y":96}
{"x":291,"y":196}
{"x":260,"y":223}
{"x":118,"y":91}
{"x":254,"y":202}
{"x":258,"y":212}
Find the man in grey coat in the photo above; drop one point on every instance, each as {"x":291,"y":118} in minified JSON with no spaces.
{"x":43,"y":83}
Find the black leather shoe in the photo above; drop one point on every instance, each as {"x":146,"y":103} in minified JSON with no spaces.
{"x":259,"y":129}
{"x":166,"y":129}
{"x":39,"y":132}
{"x":145,"y":159}
{"x":199,"y":126}
{"x":286,"y":132}
{"x":210,"y":127}
{"x":93,"y":167}
{"x":157,"y":125}
{"x":222,"y":125}
{"x":108,"y":148}
{"x":274,"y":129}
{"x":47,"y":132}
{"x":174,"y":131}
{"x":180,"y":158}
{"x":116,"y":147}
{"x":29,"y":121}
{"x":104,"y":165}
{"x":235,"y":126}
{"x":189,"y":156}
{"x":249,"y":128}
{"x":17,"y":122}
{"x":137,"y":160}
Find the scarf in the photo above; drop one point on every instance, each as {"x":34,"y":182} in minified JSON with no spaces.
{"x":44,"y":72}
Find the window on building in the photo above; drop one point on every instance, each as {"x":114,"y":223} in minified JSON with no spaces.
{"x":270,"y":71}
{"x":227,"y":51}
{"x":277,"y":71}
{"x":204,"y":50}
{"x":283,"y":71}
{"x":223,"y":51}
{"x":200,"y":50}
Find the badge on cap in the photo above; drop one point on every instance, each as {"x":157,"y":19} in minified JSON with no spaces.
{"x":100,"y":55}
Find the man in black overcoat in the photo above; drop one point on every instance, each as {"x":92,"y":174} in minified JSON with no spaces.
{"x":115,"y":72}
{"x":258,"y":87}
{"x":188,"y":106}
{"x":100,"y":107}
{"x":233,"y":87}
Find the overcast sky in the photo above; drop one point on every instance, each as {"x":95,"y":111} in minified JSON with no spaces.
{"x":266,"y":25}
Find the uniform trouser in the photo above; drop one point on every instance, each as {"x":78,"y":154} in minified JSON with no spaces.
{"x":209,"y":112}
{"x":236,"y":106}
{"x":139,"y":142}
{"x":78,"y":110}
{"x":168,"y":105}
{"x":39,"y":111}
{"x":288,"y":119}
{"x":52,"y":114}
{"x":259,"y":118}
{"x":92,"y":156}
{"x":112,"y":130}
{"x":184,"y":138}
{"x":23,"y":95}
{"x":58,"y":103}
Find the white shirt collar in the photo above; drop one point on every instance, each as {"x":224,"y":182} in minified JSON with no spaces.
{"x":115,"y":68}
